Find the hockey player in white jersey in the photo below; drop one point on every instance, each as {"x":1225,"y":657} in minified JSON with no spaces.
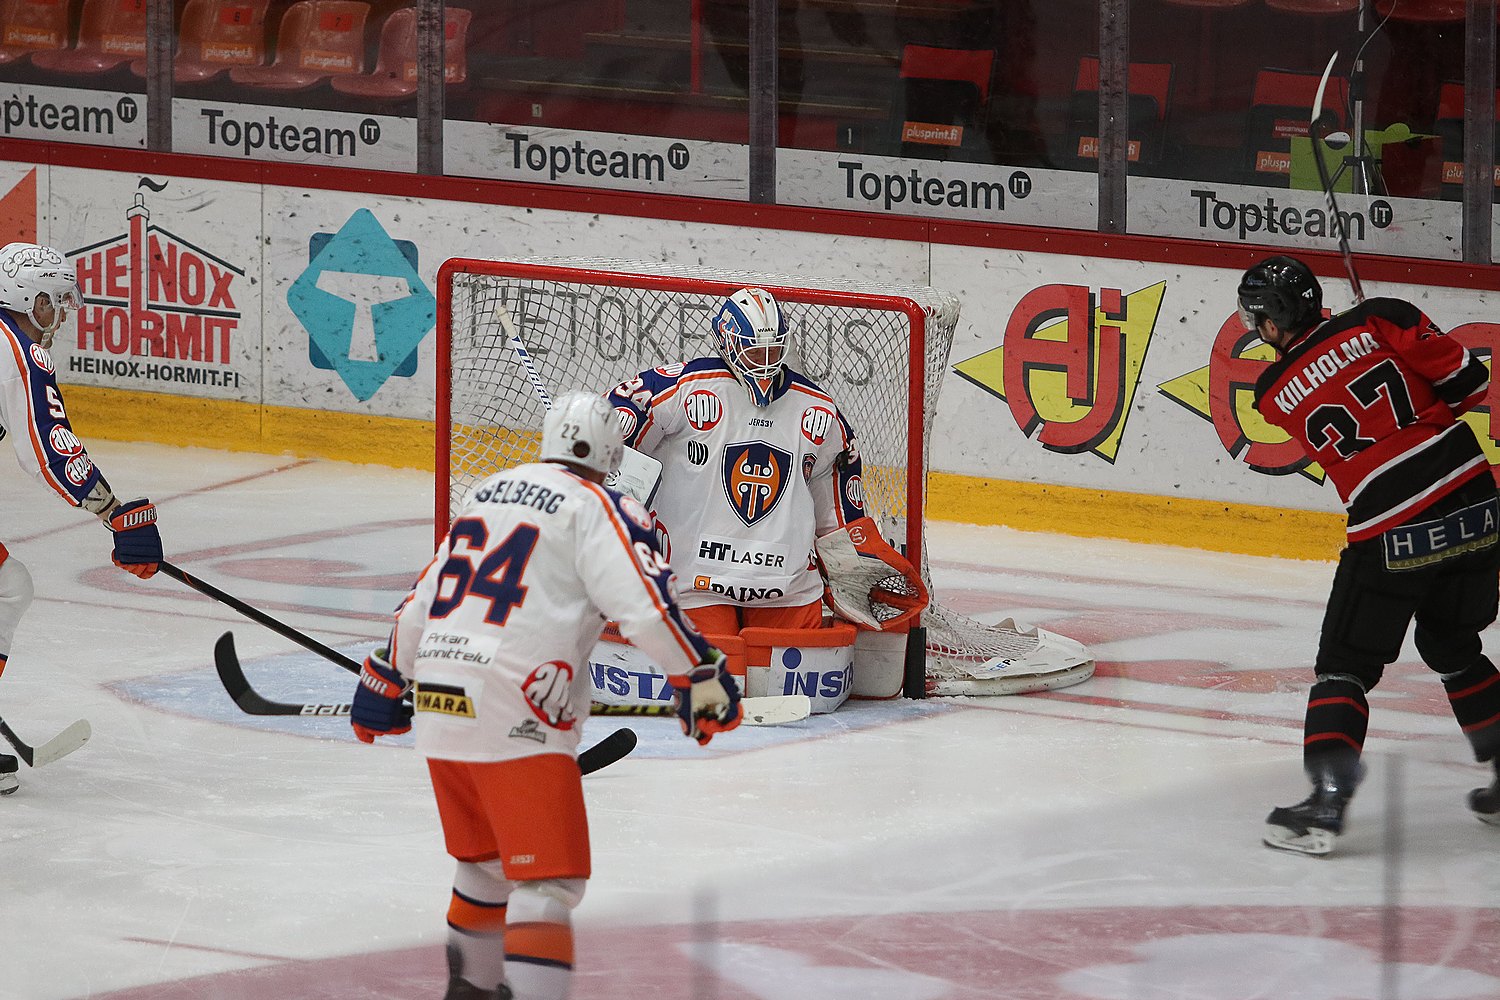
{"x":37,"y":289}
{"x":758,"y":465}
{"x":493,"y":645}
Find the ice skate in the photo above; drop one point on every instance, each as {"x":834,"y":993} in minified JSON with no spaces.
{"x":1312,"y":825}
{"x":1486,"y":801}
{"x":461,"y":989}
{"x":8,"y":780}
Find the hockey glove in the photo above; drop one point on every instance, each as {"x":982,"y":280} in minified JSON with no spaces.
{"x":137,"y":542}
{"x":379,"y":708}
{"x":866,"y":581}
{"x":707,"y":699}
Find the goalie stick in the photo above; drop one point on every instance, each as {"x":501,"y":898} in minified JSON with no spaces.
{"x":607,"y":751}
{"x":61,"y":745}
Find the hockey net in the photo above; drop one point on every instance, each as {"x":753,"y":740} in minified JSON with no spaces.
{"x":880,"y":351}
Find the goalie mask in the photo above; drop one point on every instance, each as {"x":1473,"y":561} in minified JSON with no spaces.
{"x":582,"y":429}
{"x":37,"y":282}
{"x":752,"y":337}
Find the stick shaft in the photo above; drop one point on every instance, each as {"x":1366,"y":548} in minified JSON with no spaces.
{"x":256,"y":615}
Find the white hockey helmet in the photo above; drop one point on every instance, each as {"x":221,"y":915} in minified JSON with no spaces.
{"x":27,"y":272}
{"x":582,"y":429}
{"x":751,"y":334}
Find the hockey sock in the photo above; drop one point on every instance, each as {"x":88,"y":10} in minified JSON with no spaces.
{"x":1334,"y":732}
{"x":476,"y":924}
{"x":539,"y":943}
{"x":1474,"y":694}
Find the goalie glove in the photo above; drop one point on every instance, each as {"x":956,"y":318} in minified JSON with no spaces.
{"x":866,"y":581}
{"x":707,"y":699}
{"x":379,"y":707}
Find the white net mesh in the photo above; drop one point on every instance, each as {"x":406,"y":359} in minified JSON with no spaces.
{"x":592,"y":323}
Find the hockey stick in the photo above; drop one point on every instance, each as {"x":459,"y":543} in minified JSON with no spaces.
{"x":256,"y":615}
{"x":61,"y":745}
{"x":774,"y":710}
{"x":613,"y":747}
{"x":1340,"y":226}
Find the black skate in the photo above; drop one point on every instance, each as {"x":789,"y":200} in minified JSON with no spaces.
{"x":1486,"y":801}
{"x":461,"y":989}
{"x":1312,"y":825}
{"x":8,"y":780}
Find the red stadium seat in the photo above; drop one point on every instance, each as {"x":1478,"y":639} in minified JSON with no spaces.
{"x":214,"y":36}
{"x":28,"y":26}
{"x":944,"y":95}
{"x":1280,"y":107}
{"x":395,"y":73}
{"x":317,"y":39}
{"x":1314,"y":6}
{"x":1441,"y":11}
{"x":1150,"y":90}
{"x":110,"y":32}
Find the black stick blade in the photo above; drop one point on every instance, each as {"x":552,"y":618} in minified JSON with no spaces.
{"x":616,"y":746}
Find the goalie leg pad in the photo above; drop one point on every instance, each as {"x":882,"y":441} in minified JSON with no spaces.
{"x":816,"y":662}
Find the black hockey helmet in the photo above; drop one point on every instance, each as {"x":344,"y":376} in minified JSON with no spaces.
{"x":1284,"y":290}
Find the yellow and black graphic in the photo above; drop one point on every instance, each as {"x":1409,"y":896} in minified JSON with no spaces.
{"x":1223,"y":392}
{"x":444,"y":699}
{"x":1482,"y":339}
{"x":1070,"y":366}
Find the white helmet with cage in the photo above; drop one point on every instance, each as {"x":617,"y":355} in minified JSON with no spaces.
{"x":751,"y":334}
{"x":29,"y":271}
{"x":581,"y":428}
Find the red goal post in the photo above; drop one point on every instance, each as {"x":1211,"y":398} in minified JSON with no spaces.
{"x":512,"y":333}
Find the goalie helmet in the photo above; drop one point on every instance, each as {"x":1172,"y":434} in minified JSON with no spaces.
{"x":27,"y":272}
{"x":751,"y":334}
{"x":1283,"y":290}
{"x":581,"y":429}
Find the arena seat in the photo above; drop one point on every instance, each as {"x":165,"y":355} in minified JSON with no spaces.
{"x":1450,"y":129}
{"x":944,"y":96}
{"x":395,"y":74}
{"x":215,"y":36}
{"x":1280,"y":107}
{"x":110,"y":33}
{"x":317,"y":39}
{"x":28,"y":26}
{"x":1432,"y":11}
{"x":1150,"y":88}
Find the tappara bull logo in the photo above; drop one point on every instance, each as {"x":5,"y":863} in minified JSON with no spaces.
{"x":148,"y":294}
{"x":1070,"y":364}
{"x":755,"y":478}
{"x":1223,"y":392}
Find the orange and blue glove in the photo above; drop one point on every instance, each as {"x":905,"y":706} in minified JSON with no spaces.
{"x":380,"y":707}
{"x":707,"y":699}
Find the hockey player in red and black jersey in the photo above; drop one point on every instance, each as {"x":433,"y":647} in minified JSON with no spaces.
{"x":37,"y":288}
{"x":1373,"y":395}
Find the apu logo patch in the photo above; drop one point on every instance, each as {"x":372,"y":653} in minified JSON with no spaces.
{"x":697,"y":452}
{"x":64,"y":442}
{"x":815,"y":423}
{"x":703,"y":409}
{"x":41,"y":357}
{"x":548,"y":690}
{"x":755,"y":477}
{"x":627,"y":421}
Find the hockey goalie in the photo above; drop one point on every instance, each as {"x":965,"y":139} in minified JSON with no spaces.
{"x":760,"y":511}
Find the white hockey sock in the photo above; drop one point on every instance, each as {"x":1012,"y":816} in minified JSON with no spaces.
{"x":539,"y":944}
{"x":476,"y":924}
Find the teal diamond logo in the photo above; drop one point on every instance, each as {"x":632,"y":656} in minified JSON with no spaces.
{"x":363,"y":305}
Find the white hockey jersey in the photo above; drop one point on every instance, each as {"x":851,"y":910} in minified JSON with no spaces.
{"x":745,"y":489}
{"x":31,"y":410}
{"x":496,"y":632}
